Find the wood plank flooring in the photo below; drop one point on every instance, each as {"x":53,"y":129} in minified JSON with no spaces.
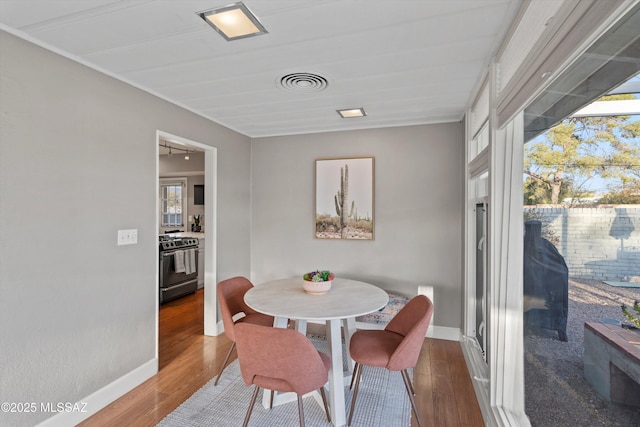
{"x":188,"y":359}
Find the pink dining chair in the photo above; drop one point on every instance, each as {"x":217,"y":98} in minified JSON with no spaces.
{"x":395,"y":348}
{"x":281,"y":360}
{"x":231,"y":299}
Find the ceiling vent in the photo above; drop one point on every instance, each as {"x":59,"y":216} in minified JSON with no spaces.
{"x":303,"y":83}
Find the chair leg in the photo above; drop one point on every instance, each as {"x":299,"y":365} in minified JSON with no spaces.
{"x":273,"y":392}
{"x":355,"y":395}
{"x":406,"y":373}
{"x":407,"y":385}
{"x":251,"y":404}
{"x":224,"y":364}
{"x":300,"y":411}
{"x":353,"y":375}
{"x":324,"y":400}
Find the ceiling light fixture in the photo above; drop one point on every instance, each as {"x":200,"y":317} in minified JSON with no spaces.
{"x":233,"y":22}
{"x":352,"y":112}
{"x":172,"y":148}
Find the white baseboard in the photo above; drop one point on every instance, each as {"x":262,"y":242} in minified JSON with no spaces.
{"x":444,"y":333}
{"x":438,"y":332}
{"x":103,"y":397}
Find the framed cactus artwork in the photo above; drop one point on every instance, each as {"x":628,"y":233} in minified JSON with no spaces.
{"x":344,"y":198}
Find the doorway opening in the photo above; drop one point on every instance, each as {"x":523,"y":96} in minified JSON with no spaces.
{"x":209,"y":193}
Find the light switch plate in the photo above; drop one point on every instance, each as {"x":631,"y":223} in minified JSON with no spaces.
{"x":128,"y":237}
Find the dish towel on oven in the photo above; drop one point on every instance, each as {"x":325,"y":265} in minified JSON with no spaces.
{"x":178,"y":262}
{"x":190,"y":261}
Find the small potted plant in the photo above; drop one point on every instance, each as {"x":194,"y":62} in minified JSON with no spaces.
{"x":318,"y":282}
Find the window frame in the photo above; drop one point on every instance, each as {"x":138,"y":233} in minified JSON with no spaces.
{"x":167,"y":182}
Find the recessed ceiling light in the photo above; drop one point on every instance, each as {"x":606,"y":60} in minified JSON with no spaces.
{"x":233,"y":22}
{"x":351,"y":112}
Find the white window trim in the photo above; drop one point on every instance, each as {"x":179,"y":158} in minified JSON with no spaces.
{"x":505,"y":266}
{"x":499,"y":384}
{"x":573,"y":26}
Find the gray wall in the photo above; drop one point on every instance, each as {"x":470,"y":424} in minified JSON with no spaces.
{"x":77,"y":163}
{"x":193,"y":209}
{"x":418,"y":211}
{"x":178,"y":166}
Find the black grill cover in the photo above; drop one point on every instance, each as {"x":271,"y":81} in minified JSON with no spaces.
{"x":546,"y":278}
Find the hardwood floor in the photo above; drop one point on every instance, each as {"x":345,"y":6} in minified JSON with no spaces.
{"x":188,"y":359}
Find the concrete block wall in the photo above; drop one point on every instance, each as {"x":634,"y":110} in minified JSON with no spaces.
{"x":601,"y":242}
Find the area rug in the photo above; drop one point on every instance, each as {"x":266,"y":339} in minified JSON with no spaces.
{"x":382,"y":402}
{"x":622,"y":284}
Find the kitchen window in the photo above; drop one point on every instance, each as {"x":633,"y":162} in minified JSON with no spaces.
{"x":173,"y":197}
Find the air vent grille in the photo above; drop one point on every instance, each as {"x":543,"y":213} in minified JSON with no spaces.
{"x":304,"y":82}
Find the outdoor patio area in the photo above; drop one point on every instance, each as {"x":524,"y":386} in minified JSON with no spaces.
{"x":557,"y":393}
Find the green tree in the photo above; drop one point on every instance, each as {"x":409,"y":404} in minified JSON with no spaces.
{"x":625,"y":197}
{"x":624,"y":162}
{"x":537,"y":192}
{"x":581,"y":148}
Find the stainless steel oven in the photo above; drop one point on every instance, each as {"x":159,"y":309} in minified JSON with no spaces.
{"x":178,"y":267}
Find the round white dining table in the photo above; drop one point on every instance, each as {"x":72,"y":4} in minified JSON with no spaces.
{"x":286,"y":299}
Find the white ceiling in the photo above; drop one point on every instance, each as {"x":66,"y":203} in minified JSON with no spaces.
{"x":405,"y":61}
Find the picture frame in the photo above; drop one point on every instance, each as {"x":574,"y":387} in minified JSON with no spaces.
{"x":339,"y":183}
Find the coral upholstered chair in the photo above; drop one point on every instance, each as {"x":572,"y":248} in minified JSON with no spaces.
{"x":396,"y":348}
{"x":231,"y":299}
{"x":281,"y":360}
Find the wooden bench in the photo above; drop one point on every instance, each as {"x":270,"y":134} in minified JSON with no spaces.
{"x":612,"y":362}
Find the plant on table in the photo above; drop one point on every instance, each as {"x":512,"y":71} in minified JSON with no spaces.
{"x":633,"y":318}
{"x":319,"y":276}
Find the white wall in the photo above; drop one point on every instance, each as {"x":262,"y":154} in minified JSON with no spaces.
{"x":77,"y":163}
{"x":418,"y":211}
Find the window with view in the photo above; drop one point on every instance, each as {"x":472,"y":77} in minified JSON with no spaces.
{"x":172,"y":202}
{"x":581,"y":262}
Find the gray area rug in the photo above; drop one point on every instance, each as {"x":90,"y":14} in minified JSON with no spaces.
{"x":382,"y":402}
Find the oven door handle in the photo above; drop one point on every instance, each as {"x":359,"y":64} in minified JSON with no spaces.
{"x":166,"y":254}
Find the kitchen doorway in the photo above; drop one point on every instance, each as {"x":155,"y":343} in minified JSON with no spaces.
{"x":210,"y":221}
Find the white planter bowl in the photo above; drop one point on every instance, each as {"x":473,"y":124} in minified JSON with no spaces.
{"x":316,"y":288}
